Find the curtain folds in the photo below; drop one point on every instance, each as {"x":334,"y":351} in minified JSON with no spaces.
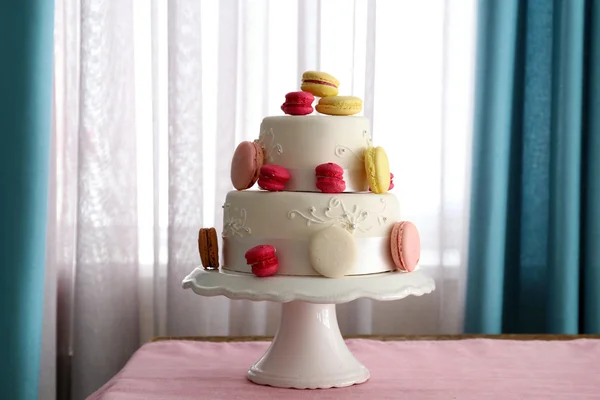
{"x":25,"y":128}
{"x":535,"y":216}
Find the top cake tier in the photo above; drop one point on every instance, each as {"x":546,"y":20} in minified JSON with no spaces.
{"x":300,"y":144}
{"x":329,"y":153}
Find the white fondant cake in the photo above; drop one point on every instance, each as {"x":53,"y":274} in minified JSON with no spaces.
{"x":299,"y":144}
{"x":288,"y":220}
{"x":314,"y":214}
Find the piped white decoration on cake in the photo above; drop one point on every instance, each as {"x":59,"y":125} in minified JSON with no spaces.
{"x":333,"y":252}
{"x":342,"y":151}
{"x":349,"y":220}
{"x":235,"y":222}
{"x":266,"y":139}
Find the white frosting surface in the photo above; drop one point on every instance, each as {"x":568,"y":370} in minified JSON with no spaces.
{"x":288,"y":220}
{"x":300,"y":144}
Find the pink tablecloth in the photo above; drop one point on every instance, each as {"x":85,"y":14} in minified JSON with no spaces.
{"x":462,"y":369}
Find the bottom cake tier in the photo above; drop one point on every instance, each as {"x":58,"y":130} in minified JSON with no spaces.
{"x":316,"y":234}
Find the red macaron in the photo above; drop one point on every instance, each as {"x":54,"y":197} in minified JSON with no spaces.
{"x":263,"y":260}
{"x":298,"y":103}
{"x":330,"y":178}
{"x":273,"y":177}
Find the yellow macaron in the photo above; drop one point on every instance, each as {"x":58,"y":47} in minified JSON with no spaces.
{"x":339,"y":105}
{"x":378,"y":169}
{"x":320,"y":84}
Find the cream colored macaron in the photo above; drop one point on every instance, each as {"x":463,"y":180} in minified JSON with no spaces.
{"x":333,"y":252}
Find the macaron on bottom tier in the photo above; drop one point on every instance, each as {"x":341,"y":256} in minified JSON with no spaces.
{"x":291,"y":221}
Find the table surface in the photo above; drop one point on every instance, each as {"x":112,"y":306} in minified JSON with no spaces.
{"x":470,"y":368}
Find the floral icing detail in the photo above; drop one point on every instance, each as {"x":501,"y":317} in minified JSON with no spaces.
{"x":235,"y":222}
{"x":266,"y":140}
{"x":342,"y":151}
{"x":336,"y":213}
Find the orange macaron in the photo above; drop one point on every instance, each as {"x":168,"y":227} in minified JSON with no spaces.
{"x":208,"y":246}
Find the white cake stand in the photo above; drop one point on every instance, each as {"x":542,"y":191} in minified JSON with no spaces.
{"x":308,"y":351}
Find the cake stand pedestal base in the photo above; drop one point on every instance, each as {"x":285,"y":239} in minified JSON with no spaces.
{"x":308,"y":351}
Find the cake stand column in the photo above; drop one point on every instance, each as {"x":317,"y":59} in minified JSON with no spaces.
{"x":308,"y":351}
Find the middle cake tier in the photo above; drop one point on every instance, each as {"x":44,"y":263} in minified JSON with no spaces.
{"x":300,"y":144}
{"x":288,"y":220}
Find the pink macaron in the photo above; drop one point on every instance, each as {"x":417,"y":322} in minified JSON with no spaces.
{"x":273,"y":177}
{"x":263,"y":260}
{"x":405,"y":245}
{"x":245,"y":165}
{"x":298,"y":103}
{"x":330,"y":178}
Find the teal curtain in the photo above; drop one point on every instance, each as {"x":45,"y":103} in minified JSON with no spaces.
{"x":534,"y":251}
{"x":26,"y":29}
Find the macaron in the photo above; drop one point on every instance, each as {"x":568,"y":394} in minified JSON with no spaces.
{"x":378,"y":169}
{"x":320,"y":84}
{"x":298,"y":103}
{"x":339,"y":105}
{"x":333,"y":252}
{"x":405,"y":245}
{"x":245,"y":165}
{"x":391,"y":182}
{"x":273,"y":177}
{"x":208,"y":246}
{"x":263,"y":260}
{"x":330,"y":178}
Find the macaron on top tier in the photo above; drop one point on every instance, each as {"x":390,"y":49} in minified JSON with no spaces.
{"x":320,"y":84}
{"x":296,"y":144}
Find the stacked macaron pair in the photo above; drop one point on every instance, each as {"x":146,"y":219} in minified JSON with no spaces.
{"x":330,"y":176}
{"x":333,"y":250}
{"x":325,"y":86}
{"x":247,"y":167}
{"x":262,"y":258}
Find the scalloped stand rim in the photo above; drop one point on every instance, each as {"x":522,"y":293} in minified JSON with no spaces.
{"x":308,"y":351}
{"x":382,"y":286}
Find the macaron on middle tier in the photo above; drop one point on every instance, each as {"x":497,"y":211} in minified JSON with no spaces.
{"x":290,"y":222}
{"x":300,"y":144}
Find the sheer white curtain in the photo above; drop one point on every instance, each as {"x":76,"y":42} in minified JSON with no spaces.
{"x":151,"y":98}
